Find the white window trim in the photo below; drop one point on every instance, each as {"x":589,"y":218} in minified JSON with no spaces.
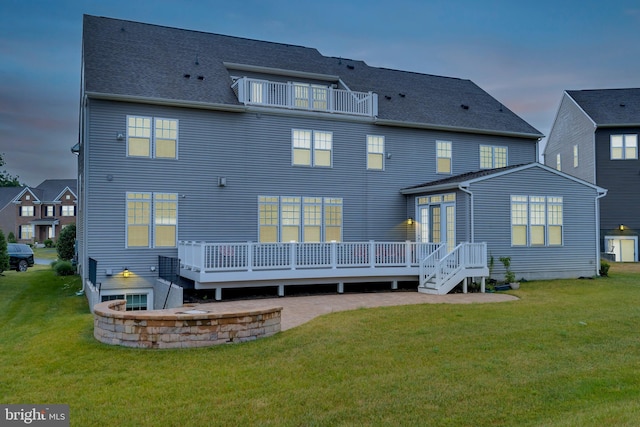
{"x":384,"y":148}
{"x":450,"y":158}
{"x":624,"y":146}
{"x":132,"y":291}
{"x":312,"y":149}
{"x":493,"y":155}
{"x":152,"y":219}
{"x":547,"y":202}
{"x":152,"y":138}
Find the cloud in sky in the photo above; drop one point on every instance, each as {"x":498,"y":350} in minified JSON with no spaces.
{"x":524,"y":55}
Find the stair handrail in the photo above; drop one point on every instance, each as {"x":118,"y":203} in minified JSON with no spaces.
{"x":429,"y":264}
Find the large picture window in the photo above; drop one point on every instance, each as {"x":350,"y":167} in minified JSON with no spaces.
{"x":536,"y":221}
{"x":152,"y":137}
{"x":299,"y":219}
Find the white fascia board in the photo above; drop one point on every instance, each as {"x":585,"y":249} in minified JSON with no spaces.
{"x":418,"y":125}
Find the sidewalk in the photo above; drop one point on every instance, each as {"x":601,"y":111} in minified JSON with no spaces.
{"x":299,"y":310}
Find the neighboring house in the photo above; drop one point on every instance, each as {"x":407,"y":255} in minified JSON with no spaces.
{"x":266,"y":164}
{"x":595,"y":137}
{"x":36,"y":214}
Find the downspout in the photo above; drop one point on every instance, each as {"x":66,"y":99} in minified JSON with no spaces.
{"x":597,"y":203}
{"x":471,"y":212}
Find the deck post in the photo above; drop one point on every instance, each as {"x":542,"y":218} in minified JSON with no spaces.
{"x":482,"y":285}
{"x":218,"y":294}
{"x":292,"y":254}
{"x":280,"y":290}
{"x":394,"y":285}
{"x":407,"y":253}
{"x":249,"y":256}
{"x":334,"y":254}
{"x":341,"y":288}
{"x":372,"y":254}
{"x":464,"y":285}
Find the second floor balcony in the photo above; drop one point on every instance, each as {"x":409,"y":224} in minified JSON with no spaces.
{"x":302,"y":96}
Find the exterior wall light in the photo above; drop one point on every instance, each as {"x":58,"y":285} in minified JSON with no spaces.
{"x":126,"y":273}
{"x":410,"y":221}
{"x":621,"y":227}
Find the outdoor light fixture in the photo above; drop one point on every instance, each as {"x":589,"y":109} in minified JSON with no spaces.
{"x":126,"y":273}
{"x":621,"y":227}
{"x":120,"y":136}
{"x":410,"y":221}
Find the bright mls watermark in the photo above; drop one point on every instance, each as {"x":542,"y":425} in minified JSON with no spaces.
{"x":37,"y":415}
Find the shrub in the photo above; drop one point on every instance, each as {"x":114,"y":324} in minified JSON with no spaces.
{"x":66,"y":243}
{"x":604,"y":268}
{"x":48,"y":243}
{"x":64,"y":268}
{"x":4,"y":254}
{"x":11,"y":238}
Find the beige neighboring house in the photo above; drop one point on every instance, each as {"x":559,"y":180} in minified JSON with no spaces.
{"x":36,"y":214}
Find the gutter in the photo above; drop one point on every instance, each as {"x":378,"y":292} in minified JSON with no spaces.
{"x":397,"y":123}
{"x":168,"y":102}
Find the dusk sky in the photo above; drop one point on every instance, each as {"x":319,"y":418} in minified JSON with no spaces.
{"x":525,"y":54}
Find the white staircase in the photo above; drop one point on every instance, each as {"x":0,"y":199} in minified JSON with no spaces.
{"x":440,"y":272}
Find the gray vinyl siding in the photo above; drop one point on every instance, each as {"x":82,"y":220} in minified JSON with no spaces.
{"x":622,"y":204}
{"x":572,"y":127}
{"x":492,"y":209}
{"x":253,"y":152}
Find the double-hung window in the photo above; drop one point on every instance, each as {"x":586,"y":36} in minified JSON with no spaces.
{"x":624,"y":147}
{"x":26,"y":211}
{"x":492,"y":157}
{"x":68,"y":210}
{"x":151,"y":220}
{"x":311,"y":148}
{"x":299,"y":219}
{"x":536,"y":221}
{"x":443,"y":157}
{"x":50,"y":211}
{"x":375,"y":152}
{"x":25,"y":232}
{"x":575,"y":156}
{"x":152,"y":137}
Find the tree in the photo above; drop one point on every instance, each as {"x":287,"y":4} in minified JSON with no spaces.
{"x":11,"y":238}
{"x":66,"y":243}
{"x":4,"y":254}
{"x":7,"y":180}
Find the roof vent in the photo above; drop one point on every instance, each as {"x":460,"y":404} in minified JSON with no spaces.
{"x":402,"y":94}
{"x":622,"y":104}
{"x":464,"y":106}
{"x":200,"y":77}
{"x":387,"y":97}
{"x":351,"y":67}
{"x":187,"y":76}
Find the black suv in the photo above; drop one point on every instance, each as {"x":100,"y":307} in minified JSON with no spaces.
{"x":20,"y":256}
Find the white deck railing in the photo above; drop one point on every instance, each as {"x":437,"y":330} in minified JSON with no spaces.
{"x":301,"y":96}
{"x":222,"y":257}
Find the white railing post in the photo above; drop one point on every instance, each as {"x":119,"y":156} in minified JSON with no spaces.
{"x":203,"y":262}
{"x":334,"y":254}
{"x":249,"y":256}
{"x":330,"y":101}
{"x":372,"y":253}
{"x":292,"y":254}
{"x":407,"y":253}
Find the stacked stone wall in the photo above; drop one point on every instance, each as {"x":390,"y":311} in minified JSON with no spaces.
{"x":181,"y":327}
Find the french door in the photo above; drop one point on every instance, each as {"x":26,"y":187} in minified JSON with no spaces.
{"x":437,"y":224}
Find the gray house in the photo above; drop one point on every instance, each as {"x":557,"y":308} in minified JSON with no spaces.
{"x":595,"y":137}
{"x":248,"y":163}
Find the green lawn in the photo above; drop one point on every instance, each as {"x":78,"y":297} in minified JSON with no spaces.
{"x":566,"y":354}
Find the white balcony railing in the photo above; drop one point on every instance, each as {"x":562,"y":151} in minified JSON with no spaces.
{"x":301,"y":96}
{"x":224,"y":257}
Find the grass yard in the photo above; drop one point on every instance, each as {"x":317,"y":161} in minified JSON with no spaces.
{"x":566,"y":354}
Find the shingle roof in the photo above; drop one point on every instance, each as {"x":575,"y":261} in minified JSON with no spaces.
{"x":150,"y":61}
{"x":609,"y":107}
{"x":7,"y":194}
{"x":50,"y":189}
{"x":457,"y":179}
